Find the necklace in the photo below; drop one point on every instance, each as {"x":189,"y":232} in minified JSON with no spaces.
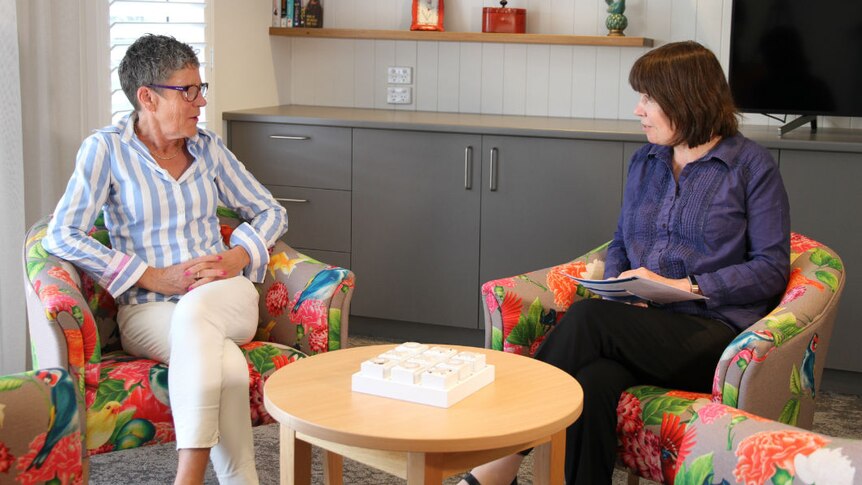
{"x":153,"y":152}
{"x":177,"y":152}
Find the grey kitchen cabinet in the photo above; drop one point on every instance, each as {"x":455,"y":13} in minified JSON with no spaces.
{"x":824,"y":198}
{"x":295,"y":155}
{"x":498,"y":231}
{"x":416,"y":226}
{"x":433,"y":218}
{"x":546,"y":201}
{"x":308,"y":170}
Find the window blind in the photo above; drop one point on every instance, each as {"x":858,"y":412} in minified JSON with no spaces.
{"x":129,"y":19}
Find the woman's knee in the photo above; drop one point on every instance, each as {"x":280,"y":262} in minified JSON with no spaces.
{"x":235,"y":372}
{"x":580,"y":317}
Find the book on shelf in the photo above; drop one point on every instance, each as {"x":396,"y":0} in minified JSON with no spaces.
{"x":287,"y":20}
{"x":312,"y":14}
{"x":297,"y":13}
{"x":634,"y":289}
{"x":276,"y":13}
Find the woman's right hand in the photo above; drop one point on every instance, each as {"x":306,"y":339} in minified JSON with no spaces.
{"x":167,"y":281}
{"x":172,"y":280}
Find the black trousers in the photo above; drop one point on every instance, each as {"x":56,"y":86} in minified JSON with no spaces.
{"x":608,"y":347}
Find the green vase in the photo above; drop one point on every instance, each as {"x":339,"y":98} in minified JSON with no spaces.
{"x":616,"y":23}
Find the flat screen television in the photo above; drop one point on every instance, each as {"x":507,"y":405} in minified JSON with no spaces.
{"x":797,"y":56}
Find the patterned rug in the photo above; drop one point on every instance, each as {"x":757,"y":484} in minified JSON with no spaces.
{"x":836,"y":414}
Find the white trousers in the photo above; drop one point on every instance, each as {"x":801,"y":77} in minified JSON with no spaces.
{"x":208,"y":376}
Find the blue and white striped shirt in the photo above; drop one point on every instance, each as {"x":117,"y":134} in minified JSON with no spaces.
{"x":156,"y":220}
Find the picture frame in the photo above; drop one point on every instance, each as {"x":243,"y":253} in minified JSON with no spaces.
{"x":427,"y":15}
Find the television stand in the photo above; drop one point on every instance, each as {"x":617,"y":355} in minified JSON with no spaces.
{"x":786,"y":128}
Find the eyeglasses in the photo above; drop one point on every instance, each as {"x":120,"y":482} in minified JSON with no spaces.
{"x":190,"y":92}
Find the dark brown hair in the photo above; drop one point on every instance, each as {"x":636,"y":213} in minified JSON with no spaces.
{"x":687,"y":82}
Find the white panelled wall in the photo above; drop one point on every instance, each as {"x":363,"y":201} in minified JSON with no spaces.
{"x":492,"y":78}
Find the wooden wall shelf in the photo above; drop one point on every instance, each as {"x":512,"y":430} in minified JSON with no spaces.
{"x":600,"y":40}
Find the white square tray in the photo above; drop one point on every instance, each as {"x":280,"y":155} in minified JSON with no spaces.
{"x":424,"y":395}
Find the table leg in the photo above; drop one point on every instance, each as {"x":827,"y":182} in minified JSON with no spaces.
{"x":549,"y":461}
{"x":333,"y":468}
{"x":294,"y":458}
{"x":423,"y":469}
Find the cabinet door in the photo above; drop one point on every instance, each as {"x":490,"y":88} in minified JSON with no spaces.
{"x":550,"y":201}
{"x":416,"y":227}
{"x":824,"y":195}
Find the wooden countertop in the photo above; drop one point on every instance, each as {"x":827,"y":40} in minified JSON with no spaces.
{"x":826,"y":139}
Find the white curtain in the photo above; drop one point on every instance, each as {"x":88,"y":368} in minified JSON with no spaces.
{"x":12,"y":314}
{"x":60,"y":57}
{"x":61,"y":44}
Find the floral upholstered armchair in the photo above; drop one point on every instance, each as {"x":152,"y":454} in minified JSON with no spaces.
{"x":124,"y":399}
{"x":721,"y":444}
{"x":40,"y":431}
{"x":772,"y":369}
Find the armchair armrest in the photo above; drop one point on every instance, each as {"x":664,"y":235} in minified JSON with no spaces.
{"x":726,"y":445}
{"x":773,"y":368}
{"x":40,"y":431}
{"x":520,"y":310}
{"x":304,"y":303}
{"x":62,"y":328}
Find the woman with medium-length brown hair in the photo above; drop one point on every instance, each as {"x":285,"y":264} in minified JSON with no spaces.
{"x":704,"y":210}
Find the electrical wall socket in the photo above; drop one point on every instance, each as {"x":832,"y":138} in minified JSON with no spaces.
{"x":399,"y":75}
{"x":399,"y":94}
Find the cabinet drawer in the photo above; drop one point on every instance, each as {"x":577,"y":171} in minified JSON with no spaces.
{"x":317,"y":218}
{"x":294,"y":155}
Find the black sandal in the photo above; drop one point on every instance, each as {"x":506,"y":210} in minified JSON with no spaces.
{"x":471,"y":480}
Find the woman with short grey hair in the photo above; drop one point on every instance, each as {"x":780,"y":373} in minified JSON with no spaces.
{"x":185,"y":295}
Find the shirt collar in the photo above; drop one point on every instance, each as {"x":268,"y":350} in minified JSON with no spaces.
{"x":125,"y":126}
{"x":725,"y":151}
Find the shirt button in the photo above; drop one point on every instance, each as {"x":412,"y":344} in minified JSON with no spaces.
{"x":664,"y":226}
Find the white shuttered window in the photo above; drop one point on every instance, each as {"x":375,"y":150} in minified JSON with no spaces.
{"x":129,"y":19}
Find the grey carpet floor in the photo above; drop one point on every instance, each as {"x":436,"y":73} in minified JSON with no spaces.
{"x":838,"y":415}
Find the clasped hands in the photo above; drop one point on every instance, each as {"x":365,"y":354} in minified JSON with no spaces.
{"x":183,"y":277}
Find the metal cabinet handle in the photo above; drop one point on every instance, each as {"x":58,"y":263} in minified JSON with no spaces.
{"x":468,"y":168}
{"x":493,"y":182}
{"x":296,"y":201}
{"x":289,"y":137}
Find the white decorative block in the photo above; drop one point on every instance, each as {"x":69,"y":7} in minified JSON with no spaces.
{"x":474,"y":358}
{"x":412,"y":347}
{"x":407,"y":372}
{"x":437,"y":376}
{"x":441,"y":353}
{"x":377,"y":367}
{"x":461,"y":367}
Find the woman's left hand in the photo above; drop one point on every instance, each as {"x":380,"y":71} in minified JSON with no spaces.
{"x":229,"y":264}
{"x":682,"y":283}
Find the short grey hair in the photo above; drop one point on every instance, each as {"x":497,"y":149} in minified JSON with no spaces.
{"x":152,"y":59}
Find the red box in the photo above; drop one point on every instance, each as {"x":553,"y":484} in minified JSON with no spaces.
{"x":504,"y":20}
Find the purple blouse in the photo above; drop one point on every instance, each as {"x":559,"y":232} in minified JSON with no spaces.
{"x":727,"y":222}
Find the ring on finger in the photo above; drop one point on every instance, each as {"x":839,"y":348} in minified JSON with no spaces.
{"x":198,"y":275}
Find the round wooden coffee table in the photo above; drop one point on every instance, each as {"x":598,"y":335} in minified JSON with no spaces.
{"x":529,"y":404}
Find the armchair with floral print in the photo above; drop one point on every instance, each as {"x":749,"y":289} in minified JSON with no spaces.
{"x":772,"y":369}
{"x":40,"y":429}
{"x":123,"y":399}
{"x":717,"y":443}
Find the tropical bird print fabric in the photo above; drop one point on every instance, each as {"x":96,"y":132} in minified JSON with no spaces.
{"x":40,"y":432}
{"x":770,"y":370}
{"x":125,"y":398}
